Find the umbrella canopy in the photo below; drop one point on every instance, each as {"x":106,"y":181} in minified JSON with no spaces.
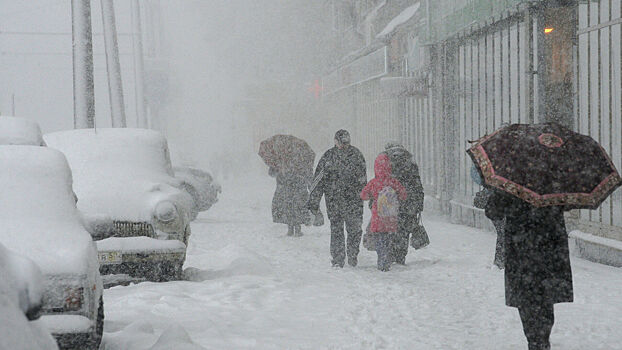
{"x":287,"y":153}
{"x":546,"y":165}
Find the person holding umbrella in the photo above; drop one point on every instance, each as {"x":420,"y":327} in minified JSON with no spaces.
{"x":535,"y":173}
{"x":291,"y":162}
{"x":340,"y":176}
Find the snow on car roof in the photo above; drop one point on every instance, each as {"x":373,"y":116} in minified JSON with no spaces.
{"x":119,"y":172}
{"x":38,"y":212}
{"x":131,"y":148}
{"x":19,"y":131}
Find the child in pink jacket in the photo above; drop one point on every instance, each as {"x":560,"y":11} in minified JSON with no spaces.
{"x":386,"y":193}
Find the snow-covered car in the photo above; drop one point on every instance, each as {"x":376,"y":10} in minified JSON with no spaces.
{"x":126,"y":174}
{"x":20,"y":131}
{"x":200,"y":185}
{"x":41,"y":222}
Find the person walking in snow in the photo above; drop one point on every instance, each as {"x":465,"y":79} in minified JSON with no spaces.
{"x":387,"y":192}
{"x":340,"y":176}
{"x":290,"y":199}
{"x":406,"y":171}
{"x":537,"y":262}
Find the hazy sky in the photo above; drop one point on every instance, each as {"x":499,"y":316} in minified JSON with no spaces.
{"x":213,"y":50}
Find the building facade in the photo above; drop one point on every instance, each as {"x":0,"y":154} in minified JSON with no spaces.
{"x":436,"y":74}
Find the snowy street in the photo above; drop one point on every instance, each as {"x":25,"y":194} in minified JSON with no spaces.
{"x":251,"y":287}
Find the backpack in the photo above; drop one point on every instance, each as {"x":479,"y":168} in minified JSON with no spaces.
{"x":388,"y":203}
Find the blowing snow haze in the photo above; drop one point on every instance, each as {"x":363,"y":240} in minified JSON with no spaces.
{"x":213,"y":69}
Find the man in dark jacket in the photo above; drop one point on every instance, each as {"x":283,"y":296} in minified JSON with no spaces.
{"x":537,"y":263}
{"x":406,"y":171}
{"x":340,"y":176}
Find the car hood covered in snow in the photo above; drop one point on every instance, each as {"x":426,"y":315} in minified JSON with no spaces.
{"x":38,"y":212}
{"x":122,"y":173}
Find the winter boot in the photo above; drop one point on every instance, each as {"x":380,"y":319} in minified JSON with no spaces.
{"x":401,"y":260}
{"x":297,"y":231}
{"x":540,"y":346}
{"x":337,"y":264}
{"x":290,"y":230}
{"x":353,"y":261}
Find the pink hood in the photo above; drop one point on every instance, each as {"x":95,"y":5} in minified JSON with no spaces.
{"x":382,"y":166}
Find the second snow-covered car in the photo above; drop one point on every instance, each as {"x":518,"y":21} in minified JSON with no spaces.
{"x":126,"y":174}
{"x":40,"y":221}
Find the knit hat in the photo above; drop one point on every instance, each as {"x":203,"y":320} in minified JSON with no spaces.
{"x":343,"y":137}
{"x":392,"y":144}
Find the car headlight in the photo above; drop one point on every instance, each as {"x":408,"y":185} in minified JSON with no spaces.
{"x":166,"y":211}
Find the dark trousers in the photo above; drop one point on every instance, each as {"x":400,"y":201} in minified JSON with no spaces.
{"x":384,"y":245}
{"x":537,"y":324}
{"x":405,"y":225}
{"x":353,"y":225}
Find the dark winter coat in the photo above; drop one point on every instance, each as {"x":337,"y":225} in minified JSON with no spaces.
{"x":537,"y":266}
{"x":289,"y":204}
{"x":406,"y":171}
{"x":340,"y":175}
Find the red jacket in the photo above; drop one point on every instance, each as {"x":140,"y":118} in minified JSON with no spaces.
{"x":382,"y":168}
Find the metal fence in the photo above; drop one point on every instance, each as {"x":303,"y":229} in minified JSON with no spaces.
{"x":420,"y":136}
{"x":495,"y":85}
{"x":599,"y":90}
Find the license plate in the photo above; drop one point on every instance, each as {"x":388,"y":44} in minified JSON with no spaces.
{"x":109,"y":257}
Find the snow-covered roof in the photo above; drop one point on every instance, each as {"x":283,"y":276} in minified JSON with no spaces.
{"x":19,"y":131}
{"x":38,"y":212}
{"x":400,"y":19}
{"x":120,"y":172}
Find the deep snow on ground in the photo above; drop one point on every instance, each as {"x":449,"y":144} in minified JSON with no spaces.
{"x":252,"y":287}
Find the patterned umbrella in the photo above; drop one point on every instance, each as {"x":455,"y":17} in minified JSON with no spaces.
{"x":287,"y":153}
{"x":546,"y":165}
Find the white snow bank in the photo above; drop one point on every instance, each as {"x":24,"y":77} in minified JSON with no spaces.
{"x":22,"y":276}
{"x":66,"y":323}
{"x":175,"y":337}
{"x":229,"y":261}
{"x":140,"y":244}
{"x":37,"y":210}
{"x":122,"y":173}
{"x":20,"y":131}
{"x":596,"y":239}
{"x":16,"y":332}
{"x":140,"y":335}
{"x":20,"y":288}
{"x":402,"y":18}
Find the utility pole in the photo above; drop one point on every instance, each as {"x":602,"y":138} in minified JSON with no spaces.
{"x":83,"y":87}
{"x":139,"y":69}
{"x":113,"y":67}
